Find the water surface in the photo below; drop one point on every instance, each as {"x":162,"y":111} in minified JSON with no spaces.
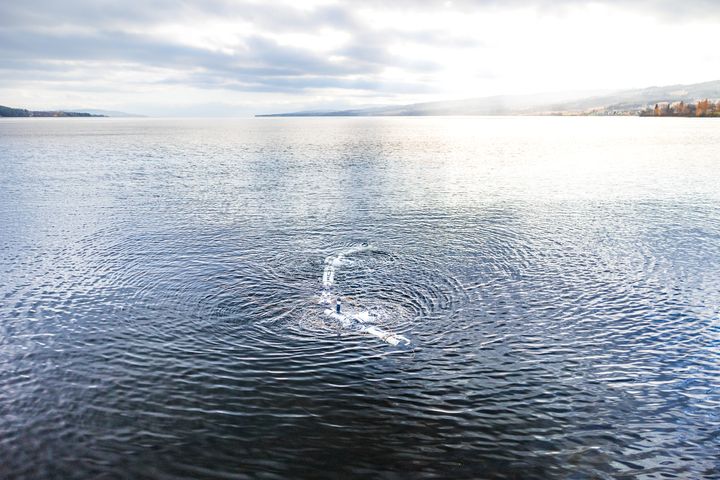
{"x":559,"y":279}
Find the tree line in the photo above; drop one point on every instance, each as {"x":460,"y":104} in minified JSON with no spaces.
{"x":702,"y":108}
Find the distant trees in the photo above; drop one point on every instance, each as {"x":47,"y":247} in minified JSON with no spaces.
{"x":21,"y":112}
{"x":702,"y":108}
{"x":14,"y":112}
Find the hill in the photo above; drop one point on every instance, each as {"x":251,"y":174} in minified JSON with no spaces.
{"x":21,"y":112}
{"x":625,"y":102}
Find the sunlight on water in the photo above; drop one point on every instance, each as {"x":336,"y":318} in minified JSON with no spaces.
{"x":557,"y":280}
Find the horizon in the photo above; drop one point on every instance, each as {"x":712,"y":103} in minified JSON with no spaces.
{"x":569,"y":96}
{"x":239,"y":59}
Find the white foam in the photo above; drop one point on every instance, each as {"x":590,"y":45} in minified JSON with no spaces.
{"x":364,"y":317}
{"x":357,"y":320}
{"x":389,"y":337}
{"x":326,"y":298}
{"x":328,"y":276}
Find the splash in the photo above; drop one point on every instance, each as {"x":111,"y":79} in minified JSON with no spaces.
{"x":360,"y":321}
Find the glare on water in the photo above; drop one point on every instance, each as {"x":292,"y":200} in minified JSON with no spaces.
{"x":557,"y":279}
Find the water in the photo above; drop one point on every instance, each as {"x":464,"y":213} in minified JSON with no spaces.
{"x":558,"y":278}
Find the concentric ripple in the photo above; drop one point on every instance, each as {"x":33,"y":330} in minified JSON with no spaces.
{"x":160,"y":284}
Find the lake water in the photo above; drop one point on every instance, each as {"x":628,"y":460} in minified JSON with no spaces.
{"x":558,"y":280}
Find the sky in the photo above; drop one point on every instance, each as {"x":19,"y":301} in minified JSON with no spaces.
{"x":237,"y":58}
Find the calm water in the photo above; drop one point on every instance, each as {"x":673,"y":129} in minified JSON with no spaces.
{"x":559,"y":280}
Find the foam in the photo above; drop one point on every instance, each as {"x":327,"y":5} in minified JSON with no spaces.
{"x":356,"y":320}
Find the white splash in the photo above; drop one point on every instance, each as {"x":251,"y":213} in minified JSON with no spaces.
{"x":359,"y":321}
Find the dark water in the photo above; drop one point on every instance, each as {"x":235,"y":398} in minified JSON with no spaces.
{"x":559,"y":279}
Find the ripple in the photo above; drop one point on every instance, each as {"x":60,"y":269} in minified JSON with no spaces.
{"x":160,"y":280}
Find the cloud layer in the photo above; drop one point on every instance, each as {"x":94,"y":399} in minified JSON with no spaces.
{"x":159,"y":54}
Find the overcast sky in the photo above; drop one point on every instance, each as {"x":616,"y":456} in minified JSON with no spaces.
{"x":223,"y":57}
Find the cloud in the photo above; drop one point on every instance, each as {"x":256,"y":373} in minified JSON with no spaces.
{"x":101,"y":31}
{"x":666,"y":8}
{"x":314,"y":48}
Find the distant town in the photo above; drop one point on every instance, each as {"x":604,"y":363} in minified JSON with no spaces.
{"x":678,"y":108}
{"x":702,"y":108}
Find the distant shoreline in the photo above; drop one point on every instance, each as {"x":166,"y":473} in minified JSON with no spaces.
{"x":694,"y":100}
{"x":8,"y":112}
{"x":564,"y":114}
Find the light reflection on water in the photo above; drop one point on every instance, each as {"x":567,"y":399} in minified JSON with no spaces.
{"x":558,"y":278}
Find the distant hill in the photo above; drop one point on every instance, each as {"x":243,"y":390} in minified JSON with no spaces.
{"x":618,"y":102}
{"x":21,"y":112}
{"x":496,"y":105}
{"x":108,"y":113}
{"x":637,"y":99}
